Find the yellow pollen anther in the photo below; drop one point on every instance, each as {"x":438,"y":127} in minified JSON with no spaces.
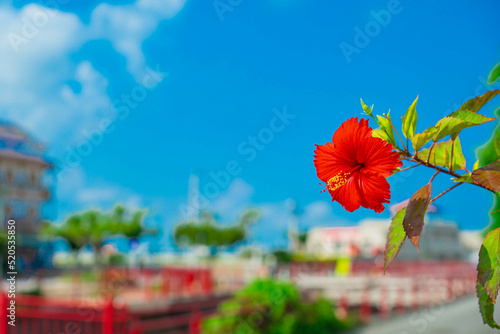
{"x":337,"y":181}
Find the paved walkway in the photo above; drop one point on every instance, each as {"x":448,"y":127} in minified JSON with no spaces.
{"x":460,"y":317}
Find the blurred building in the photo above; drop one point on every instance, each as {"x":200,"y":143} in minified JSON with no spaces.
{"x":22,"y":169}
{"x":440,"y":240}
{"x":334,"y":241}
{"x":24,"y":188}
{"x":366,"y":240}
{"x":471,"y":242}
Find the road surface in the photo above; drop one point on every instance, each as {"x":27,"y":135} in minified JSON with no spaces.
{"x":460,"y":317}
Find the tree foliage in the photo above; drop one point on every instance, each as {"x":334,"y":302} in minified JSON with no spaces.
{"x":93,"y":227}
{"x":208,"y":233}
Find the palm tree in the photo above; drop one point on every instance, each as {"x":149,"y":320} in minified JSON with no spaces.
{"x":93,"y":227}
{"x":207,"y":232}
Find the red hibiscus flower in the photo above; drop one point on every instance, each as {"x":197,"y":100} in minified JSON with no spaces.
{"x":355,"y":165}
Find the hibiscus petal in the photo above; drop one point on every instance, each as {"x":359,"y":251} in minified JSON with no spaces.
{"x":327,"y":162}
{"x":378,"y":156}
{"x":374,"y":189}
{"x":348,"y":195}
{"x":350,"y":134}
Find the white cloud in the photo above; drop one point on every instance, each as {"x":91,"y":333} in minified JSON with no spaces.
{"x":320,"y":213}
{"x":36,"y":49}
{"x":128,"y":26}
{"x":97,"y":195}
{"x":77,"y":191}
{"x":272,"y":228}
{"x":37,"y":45}
{"x":35,"y":68}
{"x":233,"y":201}
{"x":317,"y":211}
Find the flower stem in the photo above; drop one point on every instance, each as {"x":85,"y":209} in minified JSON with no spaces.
{"x":409,"y":167}
{"x":444,"y":192}
{"x":433,"y":176}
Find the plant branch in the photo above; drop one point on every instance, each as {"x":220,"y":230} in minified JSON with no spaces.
{"x":409,"y":167}
{"x":433,"y":176}
{"x":402,"y":142}
{"x":444,"y":192}
{"x":426,"y":164}
{"x":442,"y":170}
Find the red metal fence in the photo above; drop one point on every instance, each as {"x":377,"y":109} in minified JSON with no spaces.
{"x":37,"y":315}
{"x":150,"y":300}
{"x":432,"y":268}
{"x":174,"y":300}
{"x":407,"y":285}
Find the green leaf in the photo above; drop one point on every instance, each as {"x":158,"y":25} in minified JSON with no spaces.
{"x":488,"y":176}
{"x":478,"y":102}
{"x":385,"y":132}
{"x":494,"y":75}
{"x":496,"y":146}
{"x":385,"y":125}
{"x":441,"y":153}
{"x":457,"y":121}
{"x":413,"y":222}
{"x":367,"y":110}
{"x":377,"y":133}
{"x":486,"y":306}
{"x":488,"y":268}
{"x":458,"y":156}
{"x":476,"y":165}
{"x":464,"y":178}
{"x":395,"y":238}
{"x":410,"y":120}
{"x":420,"y":139}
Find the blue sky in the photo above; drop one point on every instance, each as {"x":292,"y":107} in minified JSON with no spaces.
{"x":183,"y":86}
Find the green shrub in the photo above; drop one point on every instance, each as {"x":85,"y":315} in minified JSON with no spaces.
{"x":270,"y":307}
